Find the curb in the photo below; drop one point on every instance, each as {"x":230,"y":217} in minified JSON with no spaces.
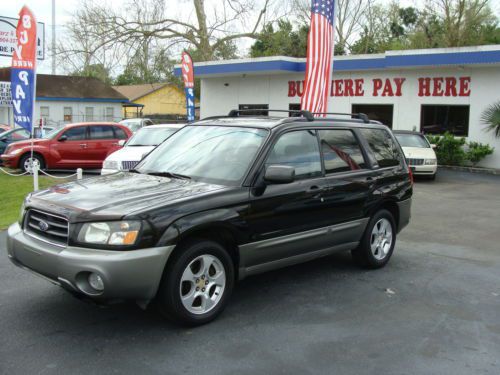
{"x":471,"y":169}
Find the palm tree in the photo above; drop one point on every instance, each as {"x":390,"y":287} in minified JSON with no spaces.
{"x":491,"y":117}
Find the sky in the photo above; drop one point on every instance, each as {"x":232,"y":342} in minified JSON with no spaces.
{"x":43,"y":12}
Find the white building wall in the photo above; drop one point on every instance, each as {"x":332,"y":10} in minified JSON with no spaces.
{"x":220,"y":95}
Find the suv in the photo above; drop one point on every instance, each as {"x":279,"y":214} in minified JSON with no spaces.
{"x":220,"y":200}
{"x":80,"y":145}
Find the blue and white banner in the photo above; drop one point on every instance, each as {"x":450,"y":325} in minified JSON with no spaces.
{"x":190,"y":103}
{"x":23,"y":91}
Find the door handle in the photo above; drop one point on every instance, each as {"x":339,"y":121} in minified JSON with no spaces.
{"x":83,"y":145}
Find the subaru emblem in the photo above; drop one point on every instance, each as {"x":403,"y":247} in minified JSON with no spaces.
{"x":43,"y":226}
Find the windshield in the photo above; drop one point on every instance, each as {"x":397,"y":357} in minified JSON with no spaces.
{"x":133,"y":125}
{"x":217,"y":154}
{"x":16,"y":134}
{"x":412,"y":140}
{"x":150,"y":136}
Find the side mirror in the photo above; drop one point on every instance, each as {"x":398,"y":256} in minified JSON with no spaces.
{"x":122,"y":142}
{"x":279,"y":174}
{"x":63,"y":138}
{"x":433,"y":145}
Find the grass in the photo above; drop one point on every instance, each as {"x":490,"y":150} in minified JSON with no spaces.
{"x":12,"y":192}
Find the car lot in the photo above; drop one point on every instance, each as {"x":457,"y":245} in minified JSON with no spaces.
{"x":433,"y":309}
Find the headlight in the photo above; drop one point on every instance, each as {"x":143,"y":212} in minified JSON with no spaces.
{"x":21,"y":213}
{"x":430,"y":161}
{"x":16,"y":151}
{"x":110,"y":164}
{"x":119,"y":233}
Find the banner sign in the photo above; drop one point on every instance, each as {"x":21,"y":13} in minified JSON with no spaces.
{"x":188,"y":78}
{"x":23,"y":72}
{"x":5,"y":97}
{"x":8,"y":39}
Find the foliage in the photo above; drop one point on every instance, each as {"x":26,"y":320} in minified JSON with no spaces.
{"x":284,"y":41}
{"x":98,"y":71}
{"x":477,"y":152}
{"x":491,"y":117}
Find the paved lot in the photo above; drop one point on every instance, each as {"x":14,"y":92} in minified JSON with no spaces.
{"x":435,"y":309}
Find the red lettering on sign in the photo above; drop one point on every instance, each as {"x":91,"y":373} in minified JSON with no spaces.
{"x":292,"y":91}
{"x":387,"y":88}
{"x":300,"y":88}
{"x":464,"y":86}
{"x":451,"y":86}
{"x":358,"y":83}
{"x":438,"y":88}
{"x":424,"y":86}
{"x":348,"y":88}
{"x":377,"y":85}
{"x":338,"y":88}
{"x":399,"y":84}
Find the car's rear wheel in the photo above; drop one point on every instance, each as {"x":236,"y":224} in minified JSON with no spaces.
{"x":26,"y":164}
{"x":377,"y":244}
{"x":197,"y":283}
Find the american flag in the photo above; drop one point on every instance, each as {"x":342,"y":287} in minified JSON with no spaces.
{"x":319,"y":56}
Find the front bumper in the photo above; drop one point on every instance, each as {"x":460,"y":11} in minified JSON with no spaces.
{"x":131,"y":274}
{"x":105,"y":171}
{"x":424,"y":169}
{"x":9,"y":160}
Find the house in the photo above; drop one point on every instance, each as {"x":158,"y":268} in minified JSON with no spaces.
{"x":66,"y":99}
{"x":156,"y":100}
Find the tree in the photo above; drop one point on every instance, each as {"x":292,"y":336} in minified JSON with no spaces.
{"x":98,"y":71}
{"x":285,"y":41}
{"x":491,"y":118}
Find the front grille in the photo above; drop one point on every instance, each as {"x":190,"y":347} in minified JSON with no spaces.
{"x":128,"y":165}
{"x":415,"y":161}
{"x":46,"y":227}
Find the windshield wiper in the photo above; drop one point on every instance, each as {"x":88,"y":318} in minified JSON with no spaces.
{"x":169,"y":174}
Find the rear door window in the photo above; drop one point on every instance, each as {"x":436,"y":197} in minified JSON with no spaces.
{"x":101,"y":132}
{"x":341,"y":151}
{"x":300,"y":150}
{"x":383,"y":147}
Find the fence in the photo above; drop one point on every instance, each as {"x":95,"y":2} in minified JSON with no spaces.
{"x":35,"y":172}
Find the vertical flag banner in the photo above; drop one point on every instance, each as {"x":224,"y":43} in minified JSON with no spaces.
{"x":23,"y":72}
{"x":319,"y":56}
{"x":188,"y":78}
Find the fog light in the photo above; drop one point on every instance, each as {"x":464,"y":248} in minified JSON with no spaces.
{"x":96,"y":282}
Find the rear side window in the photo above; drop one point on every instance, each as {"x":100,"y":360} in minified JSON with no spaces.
{"x":341,"y":151}
{"x":383,"y":146}
{"x":101,"y":132}
{"x":76,"y":134}
{"x":300,"y":150}
{"x":120,"y":133}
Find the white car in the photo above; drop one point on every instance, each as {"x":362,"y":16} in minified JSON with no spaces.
{"x":419,"y":153}
{"x":140,"y":144}
{"x":134,"y":124}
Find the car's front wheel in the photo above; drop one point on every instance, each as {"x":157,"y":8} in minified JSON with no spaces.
{"x":26,"y":163}
{"x":377,"y":244}
{"x":197,"y":283}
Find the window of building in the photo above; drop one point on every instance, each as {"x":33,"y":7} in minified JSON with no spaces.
{"x":254,"y":109}
{"x":76,"y":134}
{"x":119,"y":133}
{"x":379,"y":112}
{"x":382,"y":145}
{"x":438,"y":119}
{"x":89,"y":113}
{"x":341,"y":151}
{"x":44,"y":113}
{"x":294,"y":107}
{"x":68,"y":114}
{"x":300,"y":150}
{"x":101,"y":132}
{"x":110,"y":113}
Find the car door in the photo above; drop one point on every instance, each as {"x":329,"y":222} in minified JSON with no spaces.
{"x":101,"y":141}
{"x":286,"y":220}
{"x":350,"y":184}
{"x":70,"y":147}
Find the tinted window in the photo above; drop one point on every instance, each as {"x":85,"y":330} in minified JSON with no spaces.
{"x":101,"y":132}
{"x":384,"y":148}
{"x":438,"y":119}
{"x":341,"y":151}
{"x":120,"y":133}
{"x":76,"y":134}
{"x":300,"y":150}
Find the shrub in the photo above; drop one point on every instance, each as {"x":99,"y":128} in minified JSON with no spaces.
{"x":491,"y":117}
{"x":449,"y":150}
{"x":477,"y":152}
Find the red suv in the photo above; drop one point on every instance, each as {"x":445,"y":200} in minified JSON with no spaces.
{"x":81,"y":145}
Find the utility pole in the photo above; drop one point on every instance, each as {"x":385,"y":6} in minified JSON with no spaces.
{"x":53,"y":36}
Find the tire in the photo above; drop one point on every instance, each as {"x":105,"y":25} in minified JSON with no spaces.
{"x":25,"y":159}
{"x":368,"y":254}
{"x":432,"y":177}
{"x":195,"y":264}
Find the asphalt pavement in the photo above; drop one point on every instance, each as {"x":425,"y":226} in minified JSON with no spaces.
{"x":435,"y":309}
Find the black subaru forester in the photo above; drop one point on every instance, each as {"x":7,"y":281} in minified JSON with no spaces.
{"x":222,"y":199}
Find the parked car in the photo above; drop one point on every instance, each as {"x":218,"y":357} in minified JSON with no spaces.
{"x":13,"y":135}
{"x":40,"y":133}
{"x":135,"y":124}
{"x":80,"y":145}
{"x":4,"y":128}
{"x":419,"y":153}
{"x":218,"y":201}
{"x":140,"y":144}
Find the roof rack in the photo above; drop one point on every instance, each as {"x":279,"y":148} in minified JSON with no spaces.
{"x":306,"y":114}
{"x":361,"y":116}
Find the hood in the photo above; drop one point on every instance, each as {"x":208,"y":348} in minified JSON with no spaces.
{"x":131,"y":153}
{"x":27,"y":142}
{"x":419,"y":153}
{"x":117,"y":195}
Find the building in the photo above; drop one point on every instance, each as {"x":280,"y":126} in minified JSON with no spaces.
{"x":432,"y":90}
{"x":66,"y":99}
{"x":156,"y":100}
